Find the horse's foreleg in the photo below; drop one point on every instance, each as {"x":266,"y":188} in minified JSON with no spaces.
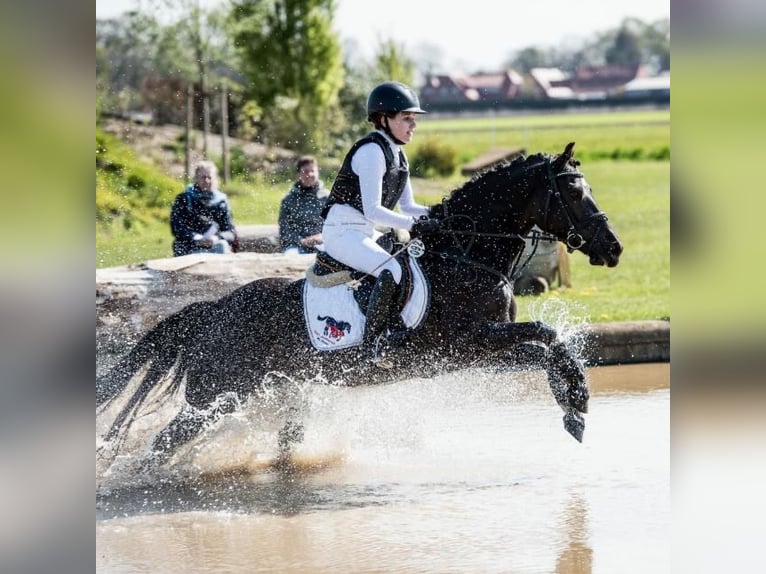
{"x":501,"y":336}
{"x":567,"y":374}
{"x":537,"y":344}
{"x":566,"y":377}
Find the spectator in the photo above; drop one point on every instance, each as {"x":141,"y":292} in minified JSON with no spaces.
{"x":200,"y":219}
{"x":300,"y":220}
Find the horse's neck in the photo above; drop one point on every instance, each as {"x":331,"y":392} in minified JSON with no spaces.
{"x":497,"y":241}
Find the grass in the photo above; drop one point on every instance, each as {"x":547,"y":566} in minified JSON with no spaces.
{"x":635,"y":195}
{"x":598,"y":135}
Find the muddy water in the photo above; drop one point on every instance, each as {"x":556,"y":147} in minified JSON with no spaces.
{"x":468,"y":473}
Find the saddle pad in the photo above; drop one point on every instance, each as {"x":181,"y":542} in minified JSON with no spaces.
{"x":334,"y":320}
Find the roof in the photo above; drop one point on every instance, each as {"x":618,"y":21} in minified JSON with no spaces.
{"x":652,"y":83}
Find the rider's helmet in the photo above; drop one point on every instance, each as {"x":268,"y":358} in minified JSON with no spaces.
{"x":392,"y":97}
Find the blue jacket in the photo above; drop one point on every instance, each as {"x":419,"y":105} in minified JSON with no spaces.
{"x":193,"y":212}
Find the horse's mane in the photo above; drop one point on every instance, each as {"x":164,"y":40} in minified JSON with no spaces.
{"x":504,"y":168}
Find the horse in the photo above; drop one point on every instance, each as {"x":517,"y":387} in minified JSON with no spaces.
{"x":224,"y":349}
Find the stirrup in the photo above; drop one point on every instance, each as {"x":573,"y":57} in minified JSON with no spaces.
{"x":380,"y":348}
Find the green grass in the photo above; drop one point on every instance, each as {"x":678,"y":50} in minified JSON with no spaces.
{"x":635,"y":195}
{"x":598,"y":135}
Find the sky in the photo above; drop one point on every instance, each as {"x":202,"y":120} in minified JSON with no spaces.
{"x":476,"y":34}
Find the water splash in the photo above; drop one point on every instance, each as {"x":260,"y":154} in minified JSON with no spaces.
{"x":567,"y":317}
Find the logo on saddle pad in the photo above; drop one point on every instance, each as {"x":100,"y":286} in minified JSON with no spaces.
{"x":333,"y":328}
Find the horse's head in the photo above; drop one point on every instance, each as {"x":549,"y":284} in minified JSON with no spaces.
{"x":571,"y":213}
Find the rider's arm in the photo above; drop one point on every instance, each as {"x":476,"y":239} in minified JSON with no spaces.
{"x":370,"y":165}
{"x":408,"y":205}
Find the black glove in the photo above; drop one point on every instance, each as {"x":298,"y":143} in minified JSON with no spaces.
{"x":426,"y":225}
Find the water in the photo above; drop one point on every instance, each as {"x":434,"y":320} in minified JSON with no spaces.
{"x":466,"y":473}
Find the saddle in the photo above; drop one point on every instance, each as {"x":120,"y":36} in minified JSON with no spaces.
{"x":329,"y":272}
{"x":335,"y":299}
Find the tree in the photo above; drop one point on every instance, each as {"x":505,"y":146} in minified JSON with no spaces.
{"x":391,"y":62}
{"x":527,"y":58}
{"x":125,"y":55}
{"x":292,"y":61}
{"x":656,"y":40}
{"x":625,"y":49}
{"x":195,"y":41}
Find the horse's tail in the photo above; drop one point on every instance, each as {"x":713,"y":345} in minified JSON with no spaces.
{"x":161,"y":347}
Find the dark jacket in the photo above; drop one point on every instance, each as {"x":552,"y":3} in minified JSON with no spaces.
{"x":193,"y":212}
{"x":300,"y":215}
{"x":346,"y":187}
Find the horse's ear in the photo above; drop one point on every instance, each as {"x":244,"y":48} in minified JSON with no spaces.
{"x":564,"y":157}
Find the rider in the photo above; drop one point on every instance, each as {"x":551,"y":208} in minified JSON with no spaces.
{"x":373,"y":180}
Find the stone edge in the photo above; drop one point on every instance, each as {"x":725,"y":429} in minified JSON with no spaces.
{"x":627,"y":342}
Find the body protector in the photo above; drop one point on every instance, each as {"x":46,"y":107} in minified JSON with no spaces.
{"x":346,"y":187}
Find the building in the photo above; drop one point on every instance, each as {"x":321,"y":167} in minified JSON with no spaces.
{"x":482,"y":86}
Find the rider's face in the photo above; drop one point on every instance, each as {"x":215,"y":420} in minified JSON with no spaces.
{"x":403,"y":125}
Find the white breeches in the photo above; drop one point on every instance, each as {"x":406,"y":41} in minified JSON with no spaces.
{"x":350,"y":239}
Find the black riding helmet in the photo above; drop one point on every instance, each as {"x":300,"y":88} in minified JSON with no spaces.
{"x":392,"y":97}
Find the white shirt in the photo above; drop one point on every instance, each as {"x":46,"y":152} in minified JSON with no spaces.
{"x":369,"y":163}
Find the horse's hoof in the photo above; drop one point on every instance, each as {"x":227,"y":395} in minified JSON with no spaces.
{"x":574,"y":424}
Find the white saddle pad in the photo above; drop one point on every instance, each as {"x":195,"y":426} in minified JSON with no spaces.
{"x":334,"y":320}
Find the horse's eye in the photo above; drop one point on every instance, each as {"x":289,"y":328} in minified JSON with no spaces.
{"x":575,"y":190}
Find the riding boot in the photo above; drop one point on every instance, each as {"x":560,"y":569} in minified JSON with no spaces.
{"x":378,"y":311}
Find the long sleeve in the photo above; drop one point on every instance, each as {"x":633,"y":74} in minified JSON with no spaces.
{"x":369,"y":164}
{"x":288,"y":232}
{"x":225,"y":220}
{"x":407,"y":202}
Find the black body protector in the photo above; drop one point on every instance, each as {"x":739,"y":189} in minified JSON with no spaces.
{"x":346,"y":188}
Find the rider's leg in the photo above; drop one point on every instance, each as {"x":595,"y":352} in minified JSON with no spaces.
{"x":355,"y":246}
{"x":379,"y":306}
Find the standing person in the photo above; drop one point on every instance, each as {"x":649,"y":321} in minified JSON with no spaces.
{"x":300,"y":219}
{"x":373,"y":180}
{"x":200,"y":219}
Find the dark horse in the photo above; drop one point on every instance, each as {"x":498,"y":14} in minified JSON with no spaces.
{"x":224,"y":349}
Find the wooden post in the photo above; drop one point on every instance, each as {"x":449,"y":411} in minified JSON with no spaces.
{"x":188,"y":132}
{"x":205,"y":117}
{"x":225,"y":134}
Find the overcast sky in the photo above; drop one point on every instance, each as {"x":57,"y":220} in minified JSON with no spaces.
{"x":472,"y":34}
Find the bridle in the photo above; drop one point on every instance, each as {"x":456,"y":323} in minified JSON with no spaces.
{"x":574,"y":238}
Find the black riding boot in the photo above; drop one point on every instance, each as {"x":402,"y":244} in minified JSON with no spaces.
{"x":378,"y":312}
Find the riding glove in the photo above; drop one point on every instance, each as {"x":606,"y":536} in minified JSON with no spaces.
{"x":425,"y":225}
